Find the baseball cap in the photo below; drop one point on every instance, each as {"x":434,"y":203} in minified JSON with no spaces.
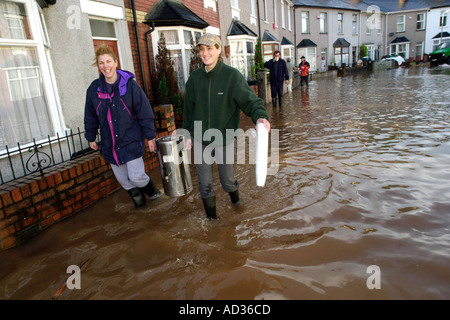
{"x":210,"y":40}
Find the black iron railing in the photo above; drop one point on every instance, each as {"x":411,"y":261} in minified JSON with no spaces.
{"x":37,"y":156}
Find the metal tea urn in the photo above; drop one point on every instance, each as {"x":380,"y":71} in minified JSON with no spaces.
{"x":174,"y":165}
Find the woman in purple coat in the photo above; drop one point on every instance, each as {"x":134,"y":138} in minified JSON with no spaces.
{"x":117,"y":105}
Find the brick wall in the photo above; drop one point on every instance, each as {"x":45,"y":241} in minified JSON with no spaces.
{"x":33,"y":203}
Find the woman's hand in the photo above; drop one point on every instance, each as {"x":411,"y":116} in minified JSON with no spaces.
{"x":152,"y":145}
{"x":265,"y":122}
{"x":93,"y":145}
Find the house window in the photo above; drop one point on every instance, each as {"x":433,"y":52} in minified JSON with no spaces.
{"x":305,"y":22}
{"x":310,"y":56}
{"x":370,"y":51}
{"x":28,"y":109}
{"x":269,"y":49}
{"x":287,"y":52}
{"x":443,"y":19}
{"x":420,"y":25}
{"x":340,"y":23}
{"x":242,"y":52}
{"x":323,"y":22}
{"x":401,"y":49}
{"x":355,"y":24}
{"x":400,"y":23}
{"x":275,"y":15}
{"x":235,"y":12}
{"x":179,"y":42}
{"x":266,"y":19}
{"x":210,"y":4}
{"x":289,"y":18}
{"x":341,"y":55}
{"x":253,"y":14}
{"x":283,"y":20}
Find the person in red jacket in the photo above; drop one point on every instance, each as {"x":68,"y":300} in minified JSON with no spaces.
{"x":304,"y":71}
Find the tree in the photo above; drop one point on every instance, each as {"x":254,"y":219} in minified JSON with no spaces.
{"x":196,"y":60}
{"x":166,"y":77}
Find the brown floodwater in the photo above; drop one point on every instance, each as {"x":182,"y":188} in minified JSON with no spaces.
{"x":363,"y":180}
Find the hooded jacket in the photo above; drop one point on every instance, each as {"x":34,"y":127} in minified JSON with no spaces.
{"x":215,"y":99}
{"x":125,"y":118}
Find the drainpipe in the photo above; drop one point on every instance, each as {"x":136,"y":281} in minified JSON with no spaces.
{"x":152,"y":28}
{"x":259,"y":18}
{"x":295,"y":39}
{"x":136,"y":30}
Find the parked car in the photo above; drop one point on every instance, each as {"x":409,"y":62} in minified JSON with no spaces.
{"x":441,"y":54}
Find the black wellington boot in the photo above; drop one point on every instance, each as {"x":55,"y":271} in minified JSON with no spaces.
{"x":234,"y":196}
{"x":274,"y":102}
{"x":210,"y":207}
{"x":151,"y":190}
{"x":280,"y":101}
{"x":137,"y":196}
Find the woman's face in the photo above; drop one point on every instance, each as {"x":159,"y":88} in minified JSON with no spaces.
{"x":210,"y":55}
{"x":108,"y":67}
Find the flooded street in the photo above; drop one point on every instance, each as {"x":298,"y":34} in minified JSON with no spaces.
{"x":363,"y":180}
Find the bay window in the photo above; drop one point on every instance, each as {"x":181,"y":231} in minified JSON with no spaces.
{"x":28,"y":107}
{"x":179,"y":41}
{"x":242,"y":54}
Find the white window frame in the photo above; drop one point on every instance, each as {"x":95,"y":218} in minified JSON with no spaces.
{"x":395,"y":49}
{"x":172,"y":47}
{"x":400,"y":24}
{"x":306,"y":22}
{"x":422,"y":21}
{"x":443,"y":18}
{"x":247,"y":57}
{"x":289,"y":47}
{"x":39,"y":41}
{"x":235,"y":11}
{"x":283,"y":18}
{"x":289,"y":18}
{"x":253,"y":13}
{"x":275,"y":14}
{"x":340,"y":20}
{"x":266,"y":18}
{"x":323,"y":24}
{"x":355,"y":24}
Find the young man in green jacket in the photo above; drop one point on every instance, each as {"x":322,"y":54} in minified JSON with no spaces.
{"x":215,"y":95}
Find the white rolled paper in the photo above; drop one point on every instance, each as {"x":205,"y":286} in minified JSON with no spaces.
{"x":262,"y":150}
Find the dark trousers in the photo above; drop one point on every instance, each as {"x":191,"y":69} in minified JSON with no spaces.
{"x":225,"y":167}
{"x":304,"y":78}
{"x":276,"y":88}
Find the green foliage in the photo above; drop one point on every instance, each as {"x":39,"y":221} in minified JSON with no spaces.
{"x":258,"y":62}
{"x":166,"y":77}
{"x":363,"y":51}
{"x":196,"y":60}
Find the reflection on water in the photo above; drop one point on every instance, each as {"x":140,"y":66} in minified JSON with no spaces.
{"x":363,"y":180}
